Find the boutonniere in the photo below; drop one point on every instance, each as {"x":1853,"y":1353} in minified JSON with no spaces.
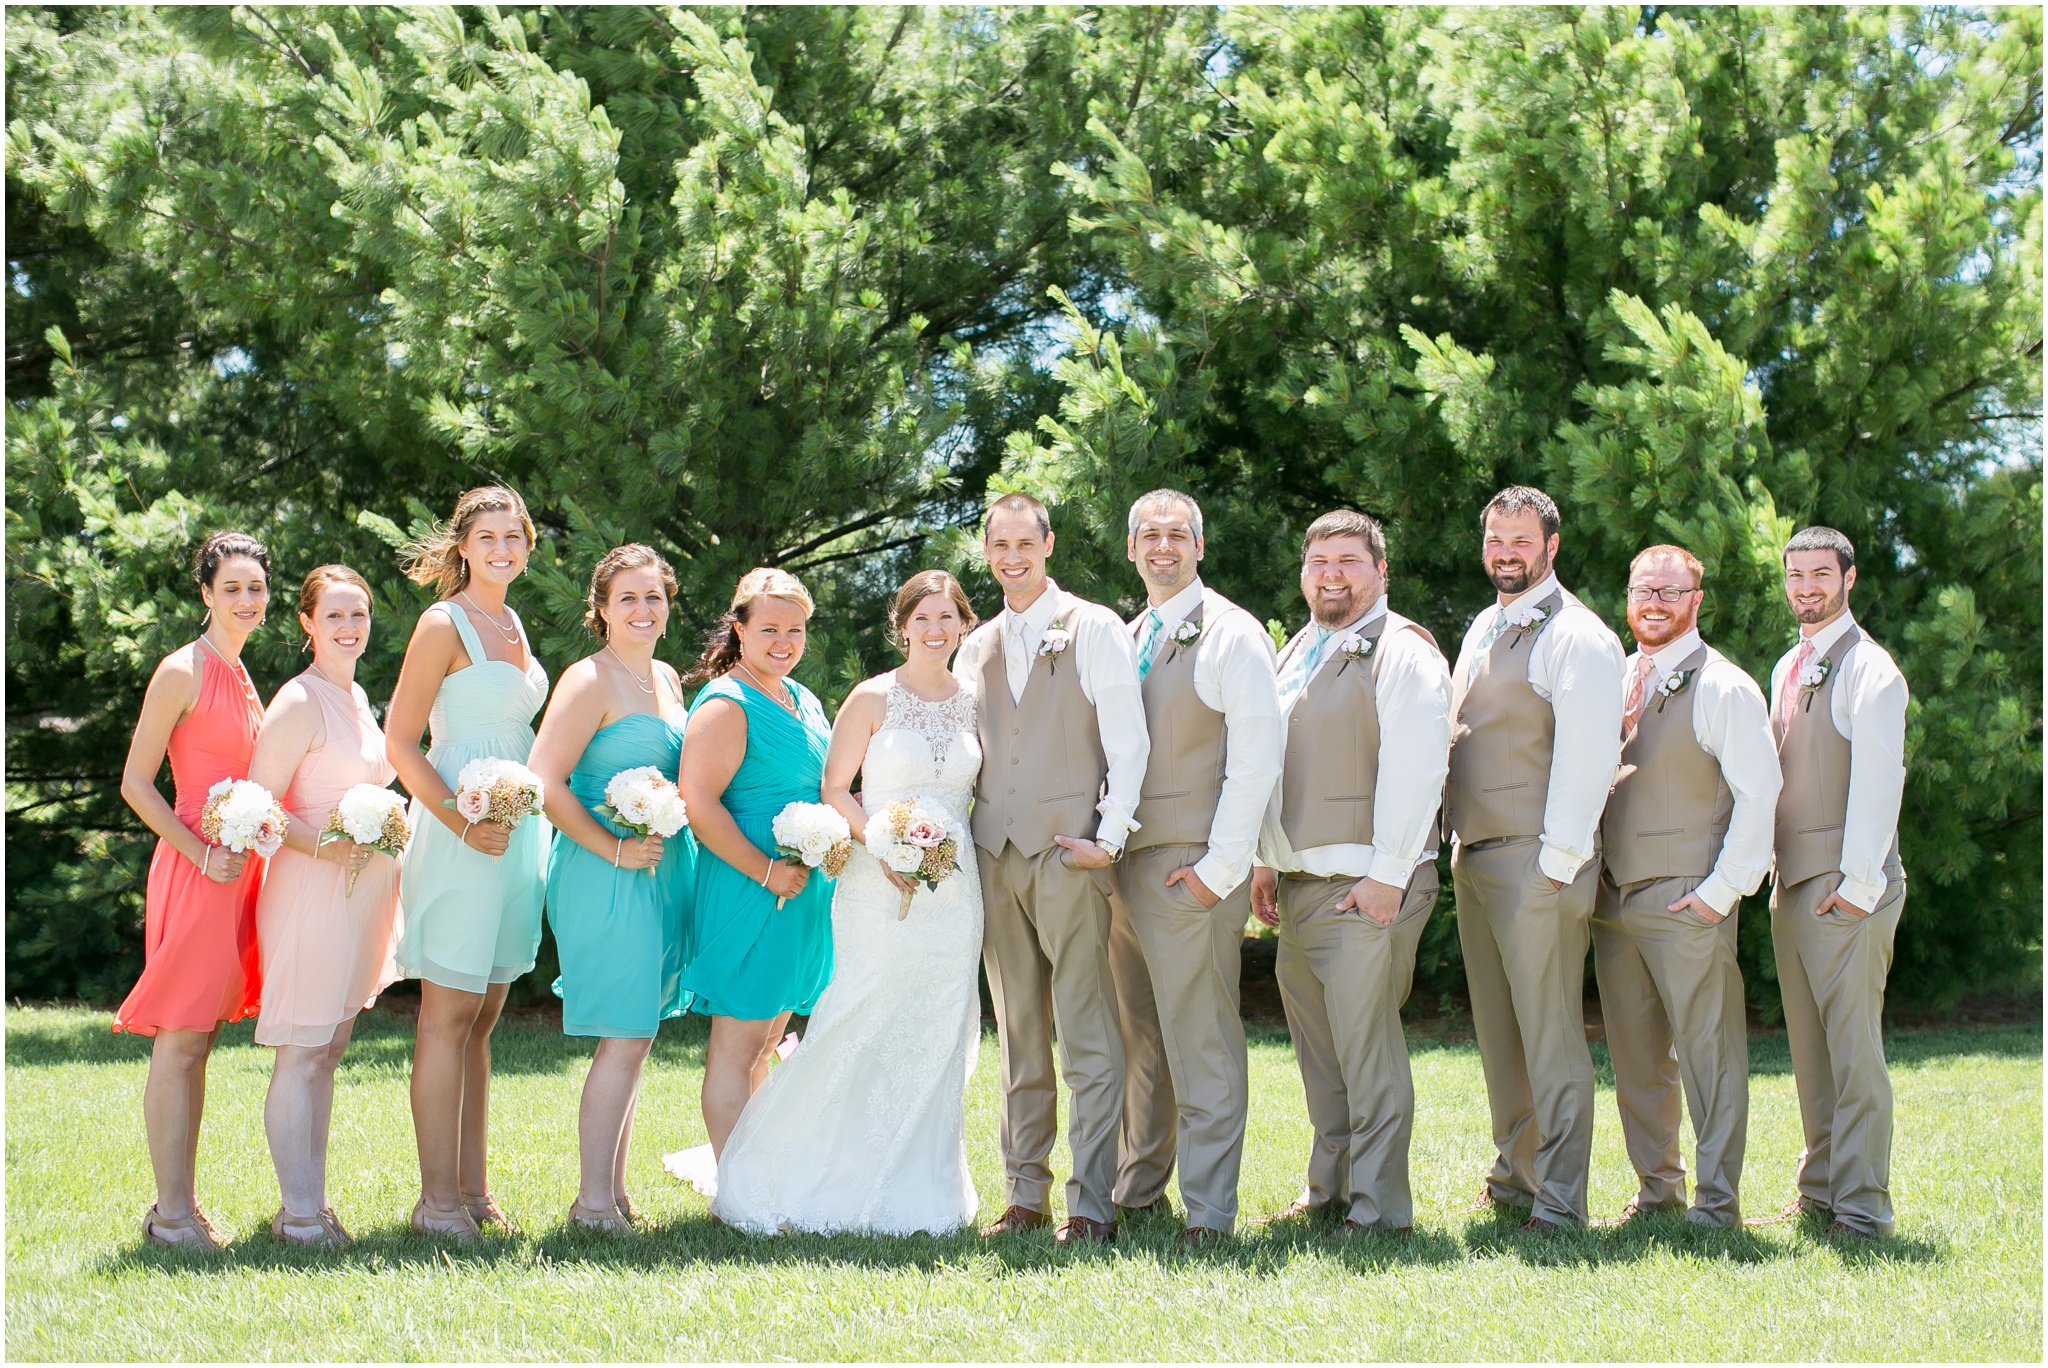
{"x":1523,"y":619}
{"x":1185,"y":634}
{"x":1811,"y":678}
{"x":1054,"y":645}
{"x":1355,"y":648}
{"x":1672,"y":684}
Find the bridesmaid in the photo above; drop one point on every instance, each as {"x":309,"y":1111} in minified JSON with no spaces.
{"x":756,"y":741}
{"x":618,"y":928}
{"x":199,"y":932}
{"x":326,"y":950}
{"x":472,"y":892}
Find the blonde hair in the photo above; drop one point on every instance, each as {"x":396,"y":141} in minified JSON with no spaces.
{"x":631,"y":556}
{"x":722,"y":646}
{"x":436,"y":558}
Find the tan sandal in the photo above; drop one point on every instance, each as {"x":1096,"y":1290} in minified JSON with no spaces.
{"x":192,"y":1232}
{"x":629,"y":1211}
{"x":484,"y":1211}
{"x":457,"y":1225}
{"x":606,"y":1220}
{"x":312,"y":1231}
{"x":334,"y":1224}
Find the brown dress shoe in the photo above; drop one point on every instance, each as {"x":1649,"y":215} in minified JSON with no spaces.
{"x":1082,"y":1230}
{"x":1295,"y":1210}
{"x":1351,"y":1229}
{"x":1158,"y":1206}
{"x":1536,"y":1225}
{"x":1015,"y":1220}
{"x":1486,"y":1201}
{"x":1194,"y":1237}
{"x":1800,"y":1208}
{"x":1637,"y":1208}
{"x":1842,"y":1230}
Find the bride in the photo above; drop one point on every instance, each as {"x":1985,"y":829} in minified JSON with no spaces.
{"x":862,"y":1129}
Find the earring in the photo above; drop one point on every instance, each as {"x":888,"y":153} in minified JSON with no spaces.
{"x":305,"y":645}
{"x":206,"y":621}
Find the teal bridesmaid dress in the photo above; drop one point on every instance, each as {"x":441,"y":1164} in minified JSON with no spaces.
{"x":619,"y":932}
{"x":470,"y":920}
{"x":743,"y":957}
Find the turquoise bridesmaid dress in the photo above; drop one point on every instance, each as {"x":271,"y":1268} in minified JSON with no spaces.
{"x":742,"y":956}
{"x":470,"y":920}
{"x":620,"y":931}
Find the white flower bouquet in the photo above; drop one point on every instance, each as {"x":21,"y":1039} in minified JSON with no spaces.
{"x":646,"y":802}
{"x":494,"y":790}
{"x":816,"y":834}
{"x":911,"y":839}
{"x":371,"y":816}
{"x":241,"y":815}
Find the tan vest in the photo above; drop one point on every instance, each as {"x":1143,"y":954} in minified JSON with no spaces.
{"x":1184,"y":777}
{"x":1332,"y":769}
{"x":1502,"y":732}
{"x":1669,"y":811}
{"x":1814,"y":757}
{"x":1042,"y":764}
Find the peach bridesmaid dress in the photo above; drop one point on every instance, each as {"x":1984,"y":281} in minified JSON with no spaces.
{"x":327,"y":953}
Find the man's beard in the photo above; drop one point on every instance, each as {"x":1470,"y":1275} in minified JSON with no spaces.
{"x":1516,"y":579}
{"x":1342,"y":615}
{"x":1828,"y":608}
{"x":1672,"y":630}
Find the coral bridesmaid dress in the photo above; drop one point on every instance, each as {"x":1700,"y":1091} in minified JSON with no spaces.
{"x":200,"y":965}
{"x":327,"y":952}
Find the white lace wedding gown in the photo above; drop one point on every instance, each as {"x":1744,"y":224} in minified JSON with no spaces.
{"x":863,"y":1127}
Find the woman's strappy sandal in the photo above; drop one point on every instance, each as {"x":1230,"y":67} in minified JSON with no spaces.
{"x":604,"y":1219}
{"x":311,"y":1231}
{"x":457,"y":1225}
{"x":192,"y":1232}
{"x":484,"y":1211}
{"x":629,"y":1211}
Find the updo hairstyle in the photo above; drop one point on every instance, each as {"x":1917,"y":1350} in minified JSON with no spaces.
{"x":631,"y":556}
{"x":226,"y":546}
{"x":916,"y":590}
{"x":318,"y":581}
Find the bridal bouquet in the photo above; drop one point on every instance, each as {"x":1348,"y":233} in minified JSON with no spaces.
{"x":241,"y":815}
{"x":372,"y":816}
{"x":494,"y":790}
{"x":816,"y":834}
{"x":911,"y":839}
{"x":645,"y":802}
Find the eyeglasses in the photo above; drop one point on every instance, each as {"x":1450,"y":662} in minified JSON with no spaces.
{"x":1643,"y":593}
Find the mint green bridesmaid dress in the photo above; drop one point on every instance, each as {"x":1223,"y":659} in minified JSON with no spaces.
{"x":471,"y":920}
{"x":742,"y":956}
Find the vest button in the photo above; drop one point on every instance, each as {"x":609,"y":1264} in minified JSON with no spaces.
{"x":1013,"y":788}
{"x":1013,"y":731}
{"x":1013,"y":759}
{"x":1009,"y":821}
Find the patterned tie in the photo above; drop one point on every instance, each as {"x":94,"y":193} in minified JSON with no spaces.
{"x":1500,"y":622}
{"x":1154,"y":625}
{"x":1633,"y":713}
{"x":1301,"y":667}
{"x":1790,"y":692}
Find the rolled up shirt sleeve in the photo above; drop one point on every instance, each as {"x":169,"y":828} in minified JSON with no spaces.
{"x":1109,"y":681}
{"x":1412,"y":695}
{"x":1870,"y":710}
{"x":1732,"y":724}
{"x":1578,"y":668}
{"x":1234,"y":675}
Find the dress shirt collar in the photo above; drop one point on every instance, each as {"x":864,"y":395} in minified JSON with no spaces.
{"x":1365,"y":619}
{"x":1175,"y":610}
{"x":1538,"y":592}
{"x":1665,"y":658}
{"x":1824,"y":640}
{"x":1038,"y":616}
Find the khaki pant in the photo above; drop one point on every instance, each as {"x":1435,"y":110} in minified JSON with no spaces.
{"x":1045,"y":944}
{"x":1525,"y":962}
{"x":1176,"y":968}
{"x":1671,"y":994}
{"x":1831,"y":973}
{"x":1343,"y":978}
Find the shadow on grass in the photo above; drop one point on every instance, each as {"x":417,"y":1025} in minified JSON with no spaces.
{"x":694,"y":1239}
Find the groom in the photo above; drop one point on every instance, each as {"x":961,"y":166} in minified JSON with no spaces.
{"x":1063,"y":749}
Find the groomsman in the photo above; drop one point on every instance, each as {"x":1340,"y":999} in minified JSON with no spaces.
{"x":1180,"y":894}
{"x":1063,"y":745}
{"x":1348,"y":865}
{"x":1535,"y":733}
{"x":1838,"y":709}
{"x":1687,"y":835}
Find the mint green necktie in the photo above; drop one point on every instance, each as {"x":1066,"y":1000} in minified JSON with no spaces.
{"x":1156,"y":625}
{"x":1301,"y":667}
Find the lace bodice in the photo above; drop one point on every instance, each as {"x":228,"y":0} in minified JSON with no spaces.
{"x":925,"y":750}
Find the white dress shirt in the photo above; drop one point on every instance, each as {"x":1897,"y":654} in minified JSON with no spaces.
{"x":1108,"y":673}
{"x":1412,"y":694}
{"x":1234,"y":676}
{"x":1732,"y":723}
{"x":1869,"y":710}
{"x":1575,"y":666}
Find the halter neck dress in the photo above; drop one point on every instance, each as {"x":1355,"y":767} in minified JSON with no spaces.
{"x":471,"y":920}
{"x":200,"y":966}
{"x":619,"y":932}
{"x":326,"y":950}
{"x":742,"y":956}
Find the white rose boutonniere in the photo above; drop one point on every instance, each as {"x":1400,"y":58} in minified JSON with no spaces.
{"x":1672,"y":684}
{"x":1185,"y":634}
{"x":1811,"y":678}
{"x":1054,"y":645}
{"x":1523,"y":619}
{"x":1355,"y":648}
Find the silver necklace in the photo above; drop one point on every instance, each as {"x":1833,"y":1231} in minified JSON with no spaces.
{"x":510,"y":634}
{"x":787,"y":706}
{"x":235,"y":667}
{"x":648,"y":686}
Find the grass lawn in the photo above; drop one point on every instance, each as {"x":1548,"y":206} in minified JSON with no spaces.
{"x":1961,"y":1281}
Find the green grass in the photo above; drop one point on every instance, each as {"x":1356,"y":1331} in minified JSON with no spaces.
{"x":1961,"y":1281}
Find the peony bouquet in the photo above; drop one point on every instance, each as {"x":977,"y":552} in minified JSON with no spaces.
{"x":494,"y":790}
{"x":816,"y":834}
{"x":372,"y":816}
{"x":911,"y":839}
{"x":645,"y":802}
{"x":241,"y":815}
